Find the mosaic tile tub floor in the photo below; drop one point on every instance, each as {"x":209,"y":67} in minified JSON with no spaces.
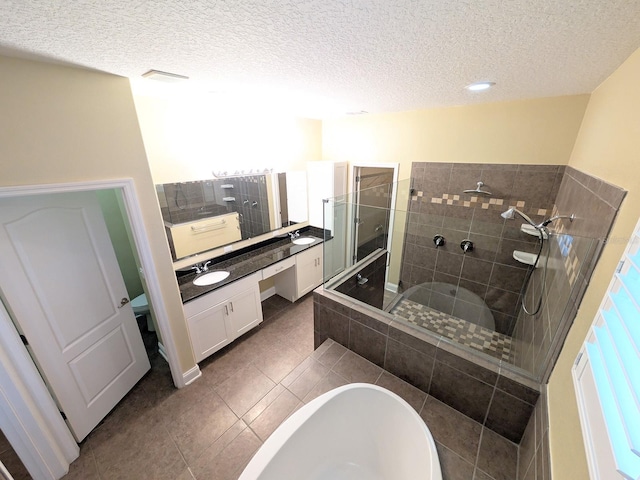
{"x":466,"y":333}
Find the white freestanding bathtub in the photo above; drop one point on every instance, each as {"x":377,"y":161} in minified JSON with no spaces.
{"x":355,"y":432}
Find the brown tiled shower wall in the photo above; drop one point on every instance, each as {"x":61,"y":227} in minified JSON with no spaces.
{"x":481,"y":390}
{"x":574,"y":252}
{"x":439,"y":206}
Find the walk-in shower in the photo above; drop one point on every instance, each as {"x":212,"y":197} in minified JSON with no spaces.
{"x":468,"y":287}
{"x":441,"y":304}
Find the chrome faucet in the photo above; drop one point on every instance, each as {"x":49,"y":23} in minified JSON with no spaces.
{"x":295,"y":234}
{"x":201,"y":267}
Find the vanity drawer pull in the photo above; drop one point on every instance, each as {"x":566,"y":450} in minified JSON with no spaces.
{"x":279,"y":267}
{"x":209,"y":227}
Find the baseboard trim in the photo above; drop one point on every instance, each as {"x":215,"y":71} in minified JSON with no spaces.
{"x":269,"y":292}
{"x":162,"y":352}
{"x":190,"y":375}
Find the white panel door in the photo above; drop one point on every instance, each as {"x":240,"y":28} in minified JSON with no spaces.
{"x":60,"y":280}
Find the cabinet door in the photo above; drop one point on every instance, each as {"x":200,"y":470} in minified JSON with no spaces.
{"x":210,"y":330}
{"x":245,"y":311}
{"x":309,"y":270}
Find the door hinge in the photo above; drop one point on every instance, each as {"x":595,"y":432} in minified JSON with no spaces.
{"x":24,"y":339}
{"x":357,"y":178}
{"x":64,"y":417}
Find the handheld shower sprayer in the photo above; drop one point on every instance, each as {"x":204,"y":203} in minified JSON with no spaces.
{"x":511,"y":213}
{"x":571,"y":218}
{"x":543,"y":233}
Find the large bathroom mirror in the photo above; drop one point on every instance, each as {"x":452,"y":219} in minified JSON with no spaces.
{"x":206,"y":214}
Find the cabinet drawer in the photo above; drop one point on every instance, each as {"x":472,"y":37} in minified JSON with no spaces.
{"x":281,"y":266}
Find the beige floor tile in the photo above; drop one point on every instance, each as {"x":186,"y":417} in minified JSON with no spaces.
{"x":332,"y":354}
{"x":83,"y":468}
{"x":264,"y":402}
{"x":196,"y":429}
{"x":302,"y":385}
{"x":244,"y":389}
{"x":328,"y":382}
{"x":278,"y":362}
{"x":265,"y":424}
{"x":412,"y":395}
{"x":230,"y":462}
{"x":357,"y":369}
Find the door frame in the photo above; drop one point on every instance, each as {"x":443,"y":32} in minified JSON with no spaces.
{"x":354,"y":167}
{"x":33,"y":423}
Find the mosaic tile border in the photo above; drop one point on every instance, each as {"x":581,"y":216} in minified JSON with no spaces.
{"x":479,"y":202}
{"x":461,"y":331}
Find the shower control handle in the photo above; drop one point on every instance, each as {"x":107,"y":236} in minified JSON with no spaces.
{"x":466,"y":246}
{"x":439,"y":241}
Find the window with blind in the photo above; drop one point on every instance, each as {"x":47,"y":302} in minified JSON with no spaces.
{"x":607,"y":376}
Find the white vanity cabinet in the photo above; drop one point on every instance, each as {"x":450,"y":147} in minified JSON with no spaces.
{"x":308,"y":270}
{"x":217,"y":318}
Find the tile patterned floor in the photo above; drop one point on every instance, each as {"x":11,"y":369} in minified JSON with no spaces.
{"x":466,"y":333}
{"x":211,"y":429}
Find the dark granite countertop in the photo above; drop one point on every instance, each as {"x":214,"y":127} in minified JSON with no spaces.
{"x":243,"y":264}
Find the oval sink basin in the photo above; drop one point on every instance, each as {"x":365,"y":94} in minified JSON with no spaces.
{"x":303,"y":240}
{"x":210,"y":278}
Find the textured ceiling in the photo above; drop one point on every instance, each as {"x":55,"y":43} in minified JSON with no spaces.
{"x":327,"y":57}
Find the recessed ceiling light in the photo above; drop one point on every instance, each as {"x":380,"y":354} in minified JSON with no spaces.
{"x":479,"y":86}
{"x":164,"y":76}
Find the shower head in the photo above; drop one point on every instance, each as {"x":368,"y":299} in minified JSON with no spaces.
{"x":478,"y":190}
{"x":511,"y":213}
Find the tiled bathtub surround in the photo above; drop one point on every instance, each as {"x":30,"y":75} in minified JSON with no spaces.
{"x":533,"y":455}
{"x":439,"y":206}
{"x":575,"y":249}
{"x":481,"y":390}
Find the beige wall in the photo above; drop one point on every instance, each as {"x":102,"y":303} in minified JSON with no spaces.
{"x":61,"y":125}
{"x":540,"y":131}
{"x":188,"y":138}
{"x":607,"y":147}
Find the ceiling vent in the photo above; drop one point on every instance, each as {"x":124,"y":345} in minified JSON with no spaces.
{"x":164,"y":76}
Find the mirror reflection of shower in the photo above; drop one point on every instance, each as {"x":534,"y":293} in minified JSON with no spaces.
{"x":543,"y":234}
